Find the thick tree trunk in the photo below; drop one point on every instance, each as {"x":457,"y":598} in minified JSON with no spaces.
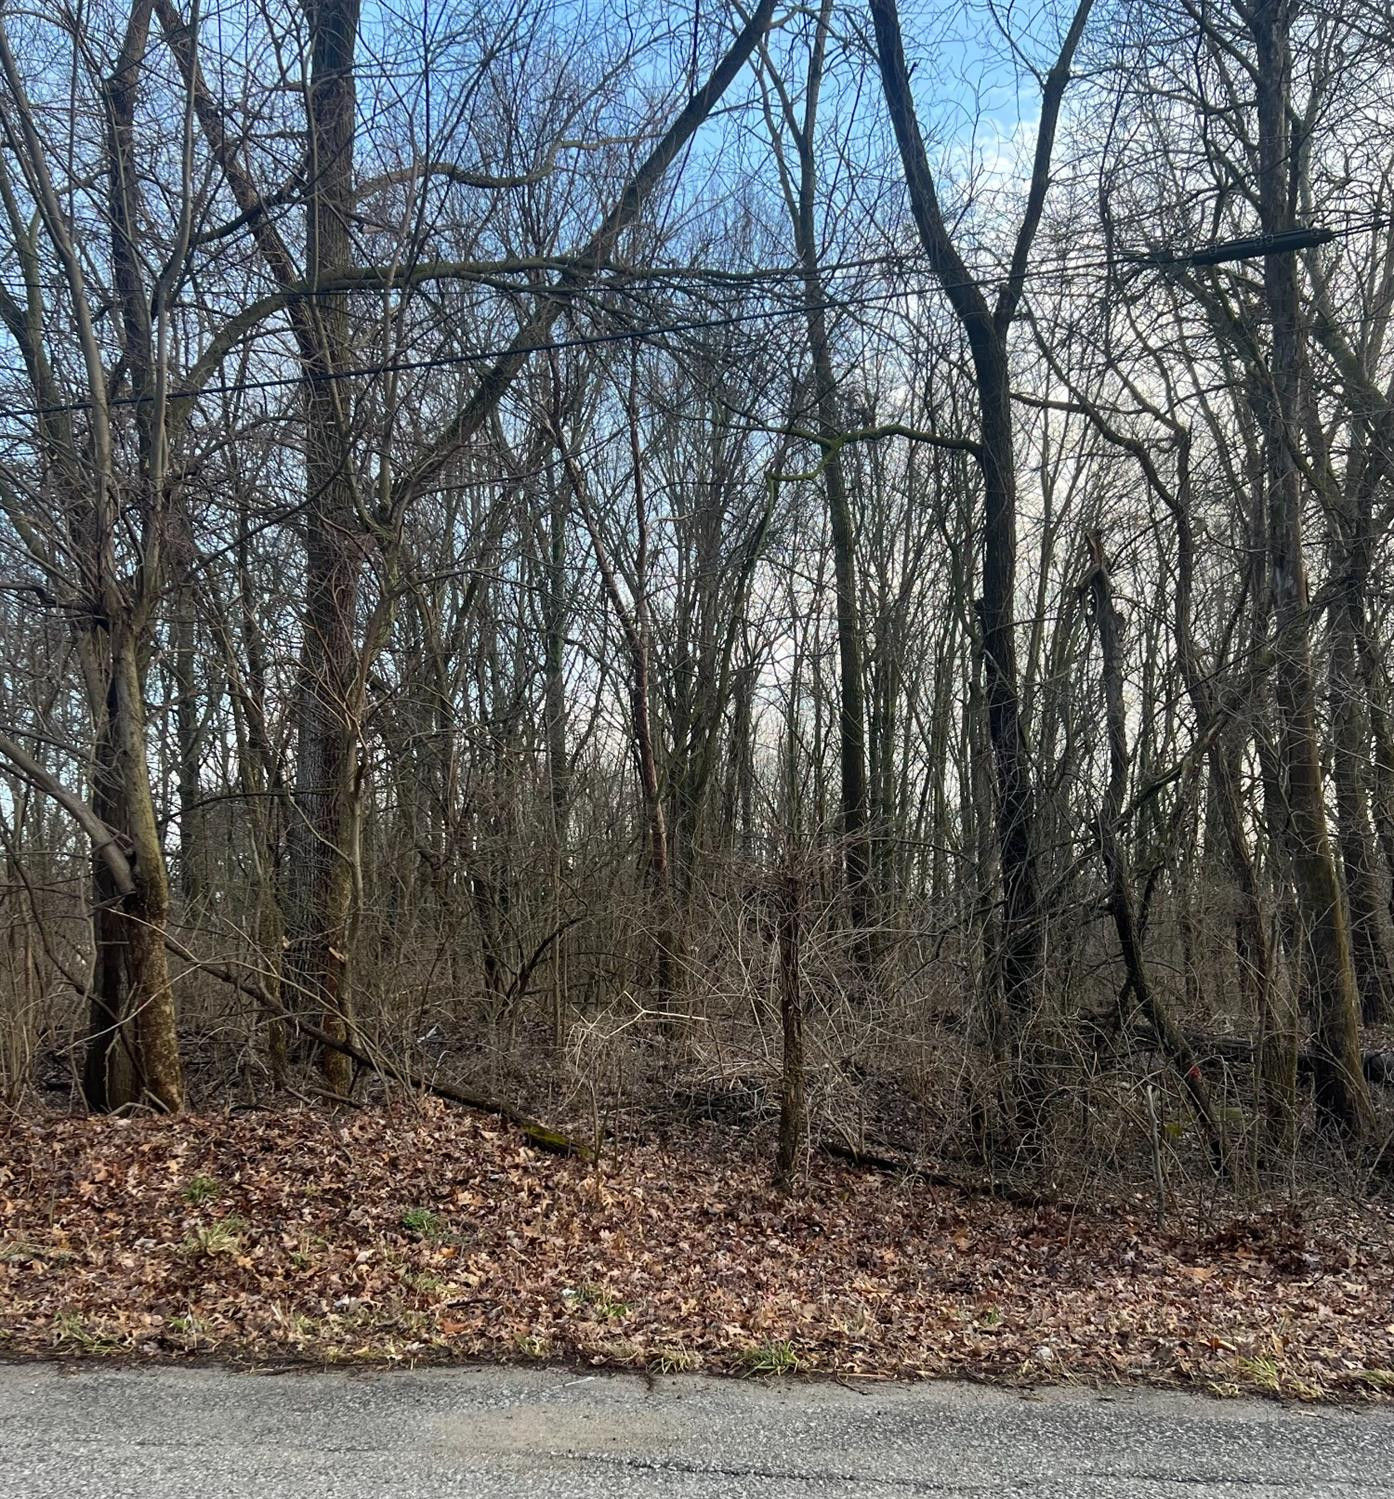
{"x":146,"y":910}
{"x":1020,"y":949}
{"x":109,"y":1068}
{"x":320,"y":874}
{"x":133,"y":1040}
{"x":1341,"y":1094}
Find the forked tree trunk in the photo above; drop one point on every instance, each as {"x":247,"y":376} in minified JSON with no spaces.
{"x":133,"y":1045}
{"x":1018,"y":985}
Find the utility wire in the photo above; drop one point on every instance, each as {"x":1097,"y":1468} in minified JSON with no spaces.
{"x":1236,"y":249}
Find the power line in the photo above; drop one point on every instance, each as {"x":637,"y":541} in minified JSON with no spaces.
{"x":1064,"y":265}
{"x":452,"y":361}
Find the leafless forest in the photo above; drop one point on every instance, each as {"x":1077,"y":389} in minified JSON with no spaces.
{"x":826,"y":562}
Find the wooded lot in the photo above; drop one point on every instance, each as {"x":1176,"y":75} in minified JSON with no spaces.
{"x":814,"y":578}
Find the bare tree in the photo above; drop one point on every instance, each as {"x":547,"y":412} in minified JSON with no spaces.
{"x":1018,"y":990}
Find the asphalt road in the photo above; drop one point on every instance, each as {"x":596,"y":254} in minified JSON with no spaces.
{"x":85,"y":1432}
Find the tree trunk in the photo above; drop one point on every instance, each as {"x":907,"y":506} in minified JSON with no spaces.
{"x":1122,"y":903}
{"x":1369,"y":914}
{"x":109,"y":1069}
{"x":133,"y":1039}
{"x":1341,"y":1094}
{"x":1019,"y":975}
{"x":793,"y":1110}
{"x":320,"y":876}
{"x":851,"y":719}
{"x":193,"y":870}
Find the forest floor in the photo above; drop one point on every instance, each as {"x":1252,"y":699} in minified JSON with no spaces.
{"x":418,"y":1234}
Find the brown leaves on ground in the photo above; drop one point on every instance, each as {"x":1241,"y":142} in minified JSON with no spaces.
{"x":423,"y":1234}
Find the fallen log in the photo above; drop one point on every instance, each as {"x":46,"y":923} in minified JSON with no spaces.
{"x":540,"y":1135}
{"x":536,"y":1133}
{"x":904,"y":1166}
